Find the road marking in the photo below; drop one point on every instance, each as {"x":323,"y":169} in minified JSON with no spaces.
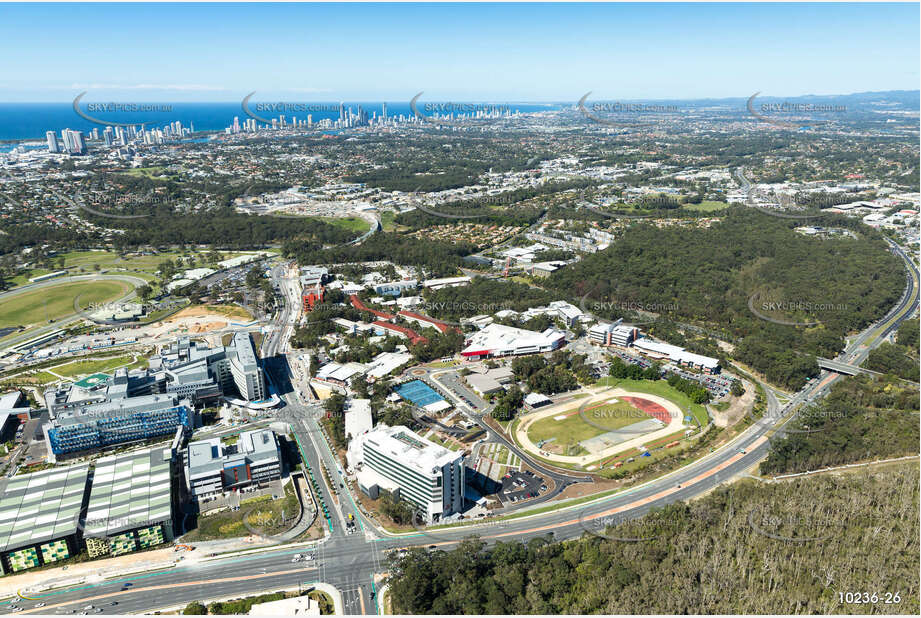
{"x":165,"y":587}
{"x":635,"y":504}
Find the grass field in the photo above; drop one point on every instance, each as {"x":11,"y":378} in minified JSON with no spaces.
{"x":57,"y":301}
{"x":353,"y":224}
{"x":387,"y":220}
{"x":142,"y":266}
{"x":154,"y":173}
{"x":259,"y":513}
{"x":662,"y":389}
{"x":86,"y":367}
{"x":229,"y":311}
{"x":574,"y":429}
{"x":706,"y":206}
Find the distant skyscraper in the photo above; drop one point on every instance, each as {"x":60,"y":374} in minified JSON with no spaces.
{"x":107,"y":136}
{"x":52,"y":141}
{"x":73,"y":141}
{"x":236,"y":124}
{"x":79,"y":143}
{"x":384,"y":111}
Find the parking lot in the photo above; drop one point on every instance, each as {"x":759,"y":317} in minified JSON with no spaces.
{"x":451,"y":381}
{"x":518,"y":486}
{"x":717,"y":385}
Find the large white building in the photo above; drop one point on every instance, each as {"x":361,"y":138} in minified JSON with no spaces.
{"x":358,"y":417}
{"x":613,"y":334}
{"x":501,"y":340}
{"x":677,"y":354}
{"x":425,"y":474}
{"x":244,"y":368}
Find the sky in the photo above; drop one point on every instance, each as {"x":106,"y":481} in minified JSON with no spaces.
{"x":471,"y":52}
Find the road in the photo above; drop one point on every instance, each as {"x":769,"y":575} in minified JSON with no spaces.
{"x":350,"y":561}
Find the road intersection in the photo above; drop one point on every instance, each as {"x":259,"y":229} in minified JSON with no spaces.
{"x":350,"y":562}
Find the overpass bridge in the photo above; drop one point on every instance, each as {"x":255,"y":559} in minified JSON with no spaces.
{"x":850,"y":370}
{"x":844,"y":368}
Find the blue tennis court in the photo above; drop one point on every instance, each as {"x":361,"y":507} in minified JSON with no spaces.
{"x":418,"y":392}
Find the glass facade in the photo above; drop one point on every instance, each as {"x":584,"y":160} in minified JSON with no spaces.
{"x":124,"y":427}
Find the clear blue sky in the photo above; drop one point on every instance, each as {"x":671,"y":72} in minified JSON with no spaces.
{"x":501,"y":52}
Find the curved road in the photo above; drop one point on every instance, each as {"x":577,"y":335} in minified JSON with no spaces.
{"x":350,"y":561}
{"x":60,"y":322}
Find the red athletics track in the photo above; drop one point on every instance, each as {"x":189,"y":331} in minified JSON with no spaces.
{"x":649,"y":407}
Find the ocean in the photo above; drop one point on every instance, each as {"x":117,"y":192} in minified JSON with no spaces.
{"x":30,"y":121}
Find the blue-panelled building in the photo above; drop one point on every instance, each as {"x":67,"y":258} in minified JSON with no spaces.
{"x":117,"y":421}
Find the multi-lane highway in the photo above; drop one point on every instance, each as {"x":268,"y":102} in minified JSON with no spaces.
{"x":350,"y":561}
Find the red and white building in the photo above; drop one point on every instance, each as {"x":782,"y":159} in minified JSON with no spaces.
{"x":500,"y":340}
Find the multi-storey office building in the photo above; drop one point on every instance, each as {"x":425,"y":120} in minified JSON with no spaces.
{"x":211,"y":467}
{"x":200,"y":372}
{"x":425,"y":474}
{"x":115,"y":421}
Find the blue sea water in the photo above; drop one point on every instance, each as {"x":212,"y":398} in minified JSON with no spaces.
{"x":30,"y":121}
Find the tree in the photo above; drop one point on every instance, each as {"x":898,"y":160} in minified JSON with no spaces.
{"x":144,"y":292}
{"x":508,"y":404}
{"x":334,"y":405}
{"x":195,"y":609}
{"x":737,"y":389}
{"x":254,"y":278}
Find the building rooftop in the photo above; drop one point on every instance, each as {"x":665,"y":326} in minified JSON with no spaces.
{"x":409,"y":448}
{"x":386,"y":362}
{"x":358,"y":418}
{"x":246,"y":353}
{"x":295,"y":606}
{"x":129,"y":490}
{"x":258,"y":444}
{"x":501,"y":338}
{"x":43,"y":506}
{"x":483,"y":383}
{"x":202,"y":454}
{"x":142,"y":403}
{"x":10,"y":400}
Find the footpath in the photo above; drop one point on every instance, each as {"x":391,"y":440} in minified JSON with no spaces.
{"x":97,"y":571}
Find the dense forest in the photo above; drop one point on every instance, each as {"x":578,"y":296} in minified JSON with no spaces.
{"x":860,"y":419}
{"x":437,"y":257}
{"x":899,"y":358}
{"x":744,"y":548}
{"x":562,"y":371}
{"x":714,"y":276}
{"x":436,"y":170}
{"x":226,"y":228}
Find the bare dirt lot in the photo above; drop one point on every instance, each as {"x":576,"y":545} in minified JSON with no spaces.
{"x":738,"y":406}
